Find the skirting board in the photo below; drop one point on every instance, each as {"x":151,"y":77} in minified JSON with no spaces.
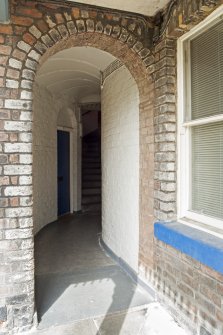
{"x":128,"y":270}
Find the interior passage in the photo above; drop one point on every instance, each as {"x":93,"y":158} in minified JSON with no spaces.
{"x":76,"y":280}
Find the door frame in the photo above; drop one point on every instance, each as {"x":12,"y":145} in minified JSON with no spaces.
{"x":71,"y":136}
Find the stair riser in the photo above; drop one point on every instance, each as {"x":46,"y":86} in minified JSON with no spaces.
{"x":91,"y":176}
{"x":91,"y":199}
{"x":91,"y":161}
{"x":91,"y":184}
{"x":92,"y":151}
{"x":91,"y":172}
{"x":92,"y":208}
{"x":88,"y":167}
{"x":91,"y":191}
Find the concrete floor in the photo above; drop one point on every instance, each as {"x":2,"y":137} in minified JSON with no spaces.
{"x":79,"y":289}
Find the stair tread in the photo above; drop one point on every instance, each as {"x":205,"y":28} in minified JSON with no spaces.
{"x":92,"y":178}
{"x":91,"y":175}
{"x":97,"y":189}
{"x":89,"y":168}
{"x":91,"y":201}
{"x":91,"y":195}
{"x":92,"y":187}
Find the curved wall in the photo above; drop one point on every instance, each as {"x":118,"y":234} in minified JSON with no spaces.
{"x":120,"y":165}
{"x":44,"y":154}
{"x":49,"y":113}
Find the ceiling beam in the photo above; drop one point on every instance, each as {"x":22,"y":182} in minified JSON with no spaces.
{"x":4,"y":11}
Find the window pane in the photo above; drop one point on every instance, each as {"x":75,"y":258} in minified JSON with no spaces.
{"x":207,"y":169}
{"x":4,"y":12}
{"x":207,"y":73}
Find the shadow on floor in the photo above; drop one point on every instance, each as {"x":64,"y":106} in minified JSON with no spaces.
{"x":76,"y":280}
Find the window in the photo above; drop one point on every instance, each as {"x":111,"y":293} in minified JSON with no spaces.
{"x":4,"y":11}
{"x":200,"y":92}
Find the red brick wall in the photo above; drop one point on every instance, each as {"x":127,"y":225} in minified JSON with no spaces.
{"x":191,"y":291}
{"x":38,"y":30}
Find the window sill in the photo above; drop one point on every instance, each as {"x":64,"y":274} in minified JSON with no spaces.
{"x":204,"y":247}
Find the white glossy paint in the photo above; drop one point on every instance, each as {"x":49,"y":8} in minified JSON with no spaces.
{"x":120,"y":165}
{"x":144,"y":7}
{"x":76,"y":73}
{"x":44,"y":152}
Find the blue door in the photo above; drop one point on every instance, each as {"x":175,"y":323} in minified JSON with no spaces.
{"x":63,"y":171}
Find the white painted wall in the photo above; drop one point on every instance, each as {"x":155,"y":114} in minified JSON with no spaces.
{"x":120,"y":166}
{"x":44,"y":154}
{"x":49,"y":113}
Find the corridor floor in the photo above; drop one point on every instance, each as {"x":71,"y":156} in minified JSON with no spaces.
{"x":82,"y":291}
{"x":76,"y":280}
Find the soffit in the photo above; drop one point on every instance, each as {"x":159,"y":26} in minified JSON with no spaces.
{"x":144,"y":7}
{"x":75,"y":72}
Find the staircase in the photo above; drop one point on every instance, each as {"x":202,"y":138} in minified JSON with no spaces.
{"x":91,"y":173}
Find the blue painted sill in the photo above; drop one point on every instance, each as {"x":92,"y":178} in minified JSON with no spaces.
{"x":203,"y":247}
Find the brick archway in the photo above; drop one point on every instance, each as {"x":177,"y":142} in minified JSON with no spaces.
{"x":42,"y":32}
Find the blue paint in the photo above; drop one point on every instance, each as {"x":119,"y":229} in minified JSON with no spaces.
{"x":203,"y":247}
{"x":63,"y":171}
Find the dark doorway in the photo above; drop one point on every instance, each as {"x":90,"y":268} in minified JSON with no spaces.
{"x":63,"y":171}
{"x":91,"y":158}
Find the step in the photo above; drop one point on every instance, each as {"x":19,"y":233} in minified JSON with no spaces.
{"x":92,"y":144}
{"x":91,"y":177}
{"x":91,"y":160}
{"x":91,"y":149}
{"x":91,"y":199}
{"x":91,"y":208}
{"x":91,"y":152}
{"x":91,"y":184}
{"x":86,"y":156}
{"x":91,"y":191}
{"x":91,"y":165}
{"x":91,"y":171}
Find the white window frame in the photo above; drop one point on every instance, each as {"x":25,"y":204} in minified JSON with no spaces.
{"x":4,"y":9}
{"x":186,"y":216}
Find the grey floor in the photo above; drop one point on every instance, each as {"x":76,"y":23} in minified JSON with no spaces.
{"x":79,"y":289}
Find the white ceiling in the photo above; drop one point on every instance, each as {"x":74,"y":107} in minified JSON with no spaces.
{"x":145,"y":7}
{"x":75,"y":72}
